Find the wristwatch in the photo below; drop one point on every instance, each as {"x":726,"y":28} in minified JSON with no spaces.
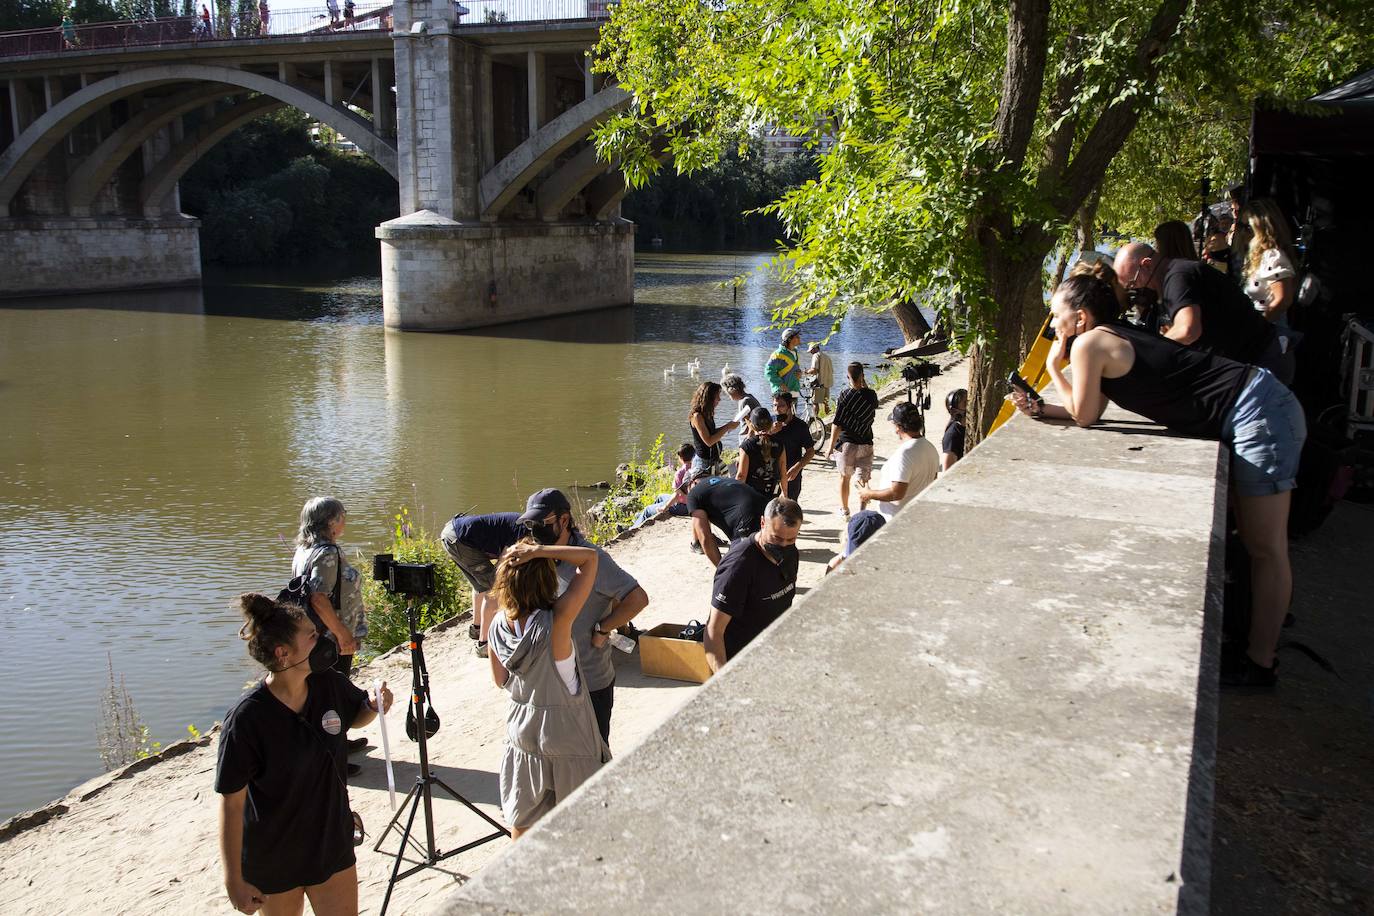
{"x":600,"y":632}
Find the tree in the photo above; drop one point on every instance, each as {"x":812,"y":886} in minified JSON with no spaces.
{"x":969,"y":137}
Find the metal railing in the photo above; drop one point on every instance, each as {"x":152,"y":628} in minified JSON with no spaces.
{"x":230,"y":25}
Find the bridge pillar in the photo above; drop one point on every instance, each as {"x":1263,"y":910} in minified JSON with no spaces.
{"x":443,"y":266}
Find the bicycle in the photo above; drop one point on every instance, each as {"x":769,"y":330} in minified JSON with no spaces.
{"x":817,"y":427}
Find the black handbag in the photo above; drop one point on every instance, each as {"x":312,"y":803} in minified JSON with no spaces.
{"x":297,"y":592}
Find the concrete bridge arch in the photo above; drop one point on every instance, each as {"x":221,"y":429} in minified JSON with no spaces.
{"x":19,"y":160}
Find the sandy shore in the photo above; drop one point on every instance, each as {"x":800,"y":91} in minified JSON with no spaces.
{"x":145,"y":840}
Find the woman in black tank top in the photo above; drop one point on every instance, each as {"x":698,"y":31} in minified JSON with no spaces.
{"x":1197,"y":394}
{"x":702,"y":419}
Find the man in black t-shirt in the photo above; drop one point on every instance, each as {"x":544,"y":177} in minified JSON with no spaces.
{"x":853,"y":433}
{"x":754,"y":584}
{"x":733,"y":507}
{"x":797,"y":445}
{"x":1199,"y":307}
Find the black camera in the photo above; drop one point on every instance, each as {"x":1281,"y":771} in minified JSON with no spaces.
{"x":919,"y":370}
{"x":414,"y":580}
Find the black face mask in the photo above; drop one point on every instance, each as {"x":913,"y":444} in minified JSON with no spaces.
{"x":322,"y":657}
{"x":544,"y":533}
{"x":776,"y":552}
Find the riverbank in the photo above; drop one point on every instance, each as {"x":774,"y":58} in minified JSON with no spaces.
{"x":145,"y":839}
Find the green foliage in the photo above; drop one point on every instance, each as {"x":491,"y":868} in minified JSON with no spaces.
{"x":30,"y":14}
{"x":640,"y":484}
{"x":266,"y":195}
{"x":121,"y":735}
{"x":717,"y":207}
{"x":958,"y":163}
{"x":386,"y":613}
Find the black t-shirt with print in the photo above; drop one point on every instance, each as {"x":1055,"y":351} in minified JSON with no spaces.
{"x":763,"y":464}
{"x":854,"y":413}
{"x":297,"y":829}
{"x":732,"y":506}
{"x":753,"y":590}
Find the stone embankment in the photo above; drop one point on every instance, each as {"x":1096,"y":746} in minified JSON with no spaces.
{"x":144,"y":840}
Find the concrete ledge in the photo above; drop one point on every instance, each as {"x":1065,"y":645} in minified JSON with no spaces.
{"x":1004,"y":703}
{"x":61,"y":255}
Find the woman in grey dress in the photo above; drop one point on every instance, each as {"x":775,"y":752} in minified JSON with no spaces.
{"x":552,"y":741}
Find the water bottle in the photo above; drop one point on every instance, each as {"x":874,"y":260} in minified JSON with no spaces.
{"x":621,"y":642}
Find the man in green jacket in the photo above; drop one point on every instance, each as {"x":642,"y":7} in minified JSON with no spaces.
{"x":784,"y":366}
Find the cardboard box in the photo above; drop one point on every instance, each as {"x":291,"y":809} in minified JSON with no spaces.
{"x":662,"y":654}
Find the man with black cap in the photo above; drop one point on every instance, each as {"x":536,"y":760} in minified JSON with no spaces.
{"x":908,"y":470}
{"x":615,"y":600}
{"x":733,"y":507}
{"x":784,"y":366}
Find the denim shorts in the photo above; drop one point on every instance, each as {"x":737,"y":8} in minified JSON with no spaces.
{"x":1266,"y":430}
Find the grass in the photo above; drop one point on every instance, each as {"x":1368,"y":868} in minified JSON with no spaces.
{"x":386,"y":613}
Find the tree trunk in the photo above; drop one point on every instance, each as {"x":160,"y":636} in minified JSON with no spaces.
{"x":1016,"y":289}
{"x":909,"y":318}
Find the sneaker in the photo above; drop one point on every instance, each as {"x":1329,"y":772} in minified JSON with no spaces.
{"x":1243,"y":672}
{"x":474,"y":632}
{"x":696,"y":548}
{"x":355,"y":745}
{"x":354,"y":769}
{"x":480,"y":650}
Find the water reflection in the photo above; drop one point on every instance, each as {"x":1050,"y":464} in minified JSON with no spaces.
{"x":158,"y":446}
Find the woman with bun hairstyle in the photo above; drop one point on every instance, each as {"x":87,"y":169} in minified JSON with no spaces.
{"x":1195,"y":393}
{"x":552,"y":740}
{"x":286,"y":832}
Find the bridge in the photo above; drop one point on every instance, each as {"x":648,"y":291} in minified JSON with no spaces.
{"x":481,"y":111}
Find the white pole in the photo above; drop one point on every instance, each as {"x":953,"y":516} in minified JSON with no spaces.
{"x":386,"y":746}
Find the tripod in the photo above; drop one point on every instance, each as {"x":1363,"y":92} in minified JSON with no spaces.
{"x":422,"y":791}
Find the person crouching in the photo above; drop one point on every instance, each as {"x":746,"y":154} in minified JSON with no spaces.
{"x":552,"y":740}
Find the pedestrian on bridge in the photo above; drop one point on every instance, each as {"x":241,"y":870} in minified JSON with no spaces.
{"x":333,"y":6}
{"x":263,"y":15}
{"x":69,"y":39}
{"x":348,"y":13}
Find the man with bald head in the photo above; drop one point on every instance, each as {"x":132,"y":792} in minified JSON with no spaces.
{"x":1199,"y":307}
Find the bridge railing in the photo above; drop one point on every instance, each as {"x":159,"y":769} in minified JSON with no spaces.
{"x":105,"y":36}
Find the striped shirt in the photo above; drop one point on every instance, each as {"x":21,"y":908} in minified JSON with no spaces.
{"x":854,"y":413}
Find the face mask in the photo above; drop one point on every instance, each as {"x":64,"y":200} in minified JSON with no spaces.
{"x":544,"y":533}
{"x":322,"y":657}
{"x":775,"y":552}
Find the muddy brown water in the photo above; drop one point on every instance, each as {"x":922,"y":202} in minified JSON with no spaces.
{"x":156,"y":449}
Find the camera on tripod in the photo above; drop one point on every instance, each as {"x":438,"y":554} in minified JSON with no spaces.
{"x":414,"y":580}
{"x":919,"y":370}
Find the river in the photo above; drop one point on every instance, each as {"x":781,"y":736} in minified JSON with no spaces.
{"x":157,"y":448}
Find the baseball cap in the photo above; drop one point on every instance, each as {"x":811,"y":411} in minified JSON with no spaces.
{"x":814,"y":348}
{"x":788,"y":334}
{"x":862,"y":525}
{"x":542,"y":503}
{"x":760,"y":418}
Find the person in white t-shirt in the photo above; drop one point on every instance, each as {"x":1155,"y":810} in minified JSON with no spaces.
{"x":909,"y":469}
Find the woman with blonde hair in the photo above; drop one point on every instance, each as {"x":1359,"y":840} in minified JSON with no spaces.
{"x":1270,"y":279}
{"x":552,"y":740}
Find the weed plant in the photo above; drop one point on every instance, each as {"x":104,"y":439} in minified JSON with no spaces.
{"x":632,"y":491}
{"x":386,"y":613}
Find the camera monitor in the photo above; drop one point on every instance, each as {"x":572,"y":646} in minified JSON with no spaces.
{"x":414,"y":580}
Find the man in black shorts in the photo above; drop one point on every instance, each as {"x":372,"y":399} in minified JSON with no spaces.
{"x":476,"y":542}
{"x":1199,"y":307}
{"x":754,"y":584}
{"x":791,"y":433}
{"x":732,"y":506}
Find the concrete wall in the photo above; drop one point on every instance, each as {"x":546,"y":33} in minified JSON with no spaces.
{"x":54,"y":256}
{"x":1004,"y":703}
{"x":438,"y":275}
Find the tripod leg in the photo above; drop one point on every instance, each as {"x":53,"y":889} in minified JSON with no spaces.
{"x":391,"y":824}
{"x":405,"y":838}
{"x":471,"y":807}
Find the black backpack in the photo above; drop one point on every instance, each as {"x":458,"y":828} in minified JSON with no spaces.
{"x":297,"y":592}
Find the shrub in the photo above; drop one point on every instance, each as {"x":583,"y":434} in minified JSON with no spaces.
{"x":386,"y":613}
{"x":634,"y":489}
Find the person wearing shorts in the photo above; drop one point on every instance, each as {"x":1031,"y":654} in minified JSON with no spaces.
{"x":1201,"y":394}
{"x":852,"y":434}
{"x":475,"y":542}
